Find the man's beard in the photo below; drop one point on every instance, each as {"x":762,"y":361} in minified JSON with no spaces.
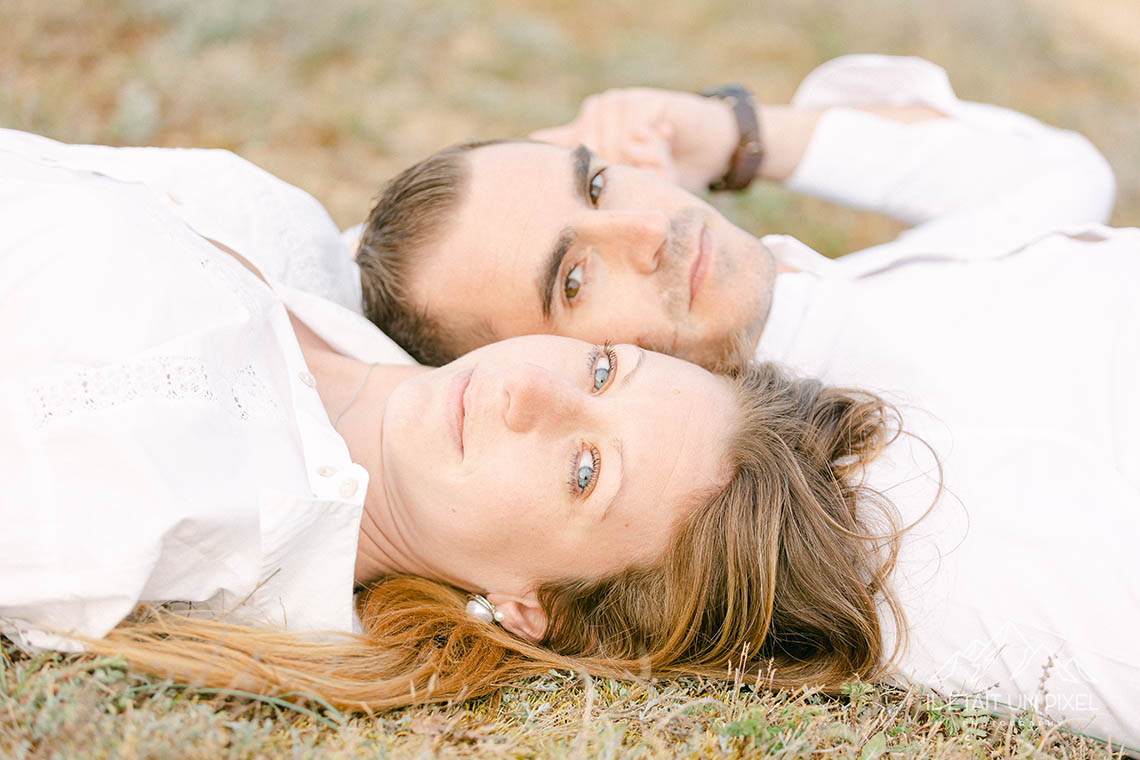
{"x":736,"y":347}
{"x":683,"y":227}
{"x":726,"y":356}
{"x":740,"y":345}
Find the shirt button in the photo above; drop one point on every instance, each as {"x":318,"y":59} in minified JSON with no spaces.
{"x":307,"y":379}
{"x":348,"y":488}
{"x":325,"y":471}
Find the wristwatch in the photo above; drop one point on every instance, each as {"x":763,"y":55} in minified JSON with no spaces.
{"x":749,"y":152}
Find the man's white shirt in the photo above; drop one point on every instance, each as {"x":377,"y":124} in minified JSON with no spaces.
{"x":1006,"y":328}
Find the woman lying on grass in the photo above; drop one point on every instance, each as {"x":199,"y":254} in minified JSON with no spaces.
{"x":172,"y":430}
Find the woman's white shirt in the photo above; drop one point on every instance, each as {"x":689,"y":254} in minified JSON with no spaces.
{"x":161,"y":437}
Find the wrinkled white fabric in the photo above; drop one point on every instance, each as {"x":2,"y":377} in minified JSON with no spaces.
{"x":1005,"y":325}
{"x":160,"y":435}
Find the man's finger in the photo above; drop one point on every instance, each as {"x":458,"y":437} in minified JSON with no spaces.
{"x":565,"y":135}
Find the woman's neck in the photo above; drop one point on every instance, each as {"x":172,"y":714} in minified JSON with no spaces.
{"x":355,"y":395}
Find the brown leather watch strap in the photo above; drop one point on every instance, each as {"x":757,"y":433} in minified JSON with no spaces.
{"x":749,"y":152}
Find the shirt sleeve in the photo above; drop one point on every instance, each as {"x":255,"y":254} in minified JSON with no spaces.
{"x":161,"y":438}
{"x":978,"y":181}
{"x":281,"y":229}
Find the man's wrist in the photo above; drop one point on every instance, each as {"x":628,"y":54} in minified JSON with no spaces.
{"x":748,"y":153}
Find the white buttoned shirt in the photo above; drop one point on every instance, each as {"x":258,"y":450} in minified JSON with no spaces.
{"x":161,"y":438}
{"x":1005,"y":325}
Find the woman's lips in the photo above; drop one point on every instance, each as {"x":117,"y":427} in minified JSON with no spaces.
{"x":457,"y":407}
{"x":700,"y":264}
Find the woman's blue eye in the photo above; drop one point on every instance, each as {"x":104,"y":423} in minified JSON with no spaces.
{"x":602,"y":372}
{"x":594,"y":188}
{"x":586,"y":469}
{"x":603,"y":367}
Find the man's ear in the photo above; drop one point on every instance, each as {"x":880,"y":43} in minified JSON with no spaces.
{"x":522,"y":615}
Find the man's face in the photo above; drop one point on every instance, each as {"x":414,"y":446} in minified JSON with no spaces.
{"x":554,"y":241}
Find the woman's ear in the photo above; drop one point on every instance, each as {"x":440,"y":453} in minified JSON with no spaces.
{"x":521,"y":615}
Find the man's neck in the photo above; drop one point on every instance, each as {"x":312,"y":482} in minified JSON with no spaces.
{"x":749,"y":339}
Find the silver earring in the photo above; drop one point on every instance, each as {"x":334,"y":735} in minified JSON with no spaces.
{"x":479,"y":608}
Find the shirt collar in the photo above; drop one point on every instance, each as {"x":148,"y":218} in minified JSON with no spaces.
{"x":793,"y":254}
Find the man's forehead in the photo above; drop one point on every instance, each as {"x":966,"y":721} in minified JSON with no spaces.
{"x":509,"y":152}
{"x":522,"y":178}
{"x":501,"y":202}
{"x":485,"y":263}
{"x":521,"y":204}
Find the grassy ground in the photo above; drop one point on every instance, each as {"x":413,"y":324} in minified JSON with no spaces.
{"x":336,"y":96}
{"x":57,"y":707}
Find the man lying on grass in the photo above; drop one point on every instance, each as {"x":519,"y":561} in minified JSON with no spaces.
{"x":1004,"y":324}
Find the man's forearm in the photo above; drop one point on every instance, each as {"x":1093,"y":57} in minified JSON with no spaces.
{"x":787,"y":130}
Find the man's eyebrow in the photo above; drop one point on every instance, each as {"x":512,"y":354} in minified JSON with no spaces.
{"x":553,"y":266}
{"x":580,"y":159}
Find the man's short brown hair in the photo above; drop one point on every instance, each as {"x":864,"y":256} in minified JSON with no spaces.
{"x":409,"y":215}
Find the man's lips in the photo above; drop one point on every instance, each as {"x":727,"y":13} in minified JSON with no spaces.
{"x":457,"y":406}
{"x":700,"y":264}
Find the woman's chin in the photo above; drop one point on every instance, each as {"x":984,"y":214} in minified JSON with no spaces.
{"x":406,"y":419}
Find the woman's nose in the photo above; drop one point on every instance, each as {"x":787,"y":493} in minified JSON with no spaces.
{"x":635,"y":238}
{"x":538,"y":400}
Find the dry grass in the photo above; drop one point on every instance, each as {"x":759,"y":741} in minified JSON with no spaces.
{"x":335,"y":97}
{"x":95,"y":708}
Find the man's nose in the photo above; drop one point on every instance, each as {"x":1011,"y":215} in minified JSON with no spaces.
{"x":538,"y":400}
{"x":637,"y":238}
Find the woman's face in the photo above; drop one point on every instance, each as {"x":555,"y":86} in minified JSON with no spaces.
{"x":541,"y":458}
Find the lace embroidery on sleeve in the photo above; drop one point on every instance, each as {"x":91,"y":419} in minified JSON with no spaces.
{"x":172,"y":378}
{"x":165,"y":377}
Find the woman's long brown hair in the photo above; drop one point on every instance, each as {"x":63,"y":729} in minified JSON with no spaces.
{"x":788,"y":562}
